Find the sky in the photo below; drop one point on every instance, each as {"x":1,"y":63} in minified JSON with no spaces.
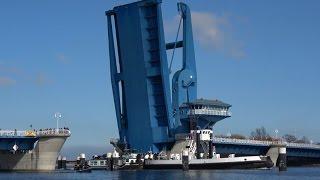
{"x":260,"y":56}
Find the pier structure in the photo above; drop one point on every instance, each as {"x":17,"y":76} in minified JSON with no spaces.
{"x":33,"y":150}
{"x":17,"y":140}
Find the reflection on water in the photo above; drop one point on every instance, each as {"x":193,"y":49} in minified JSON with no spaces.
{"x":292,"y":173}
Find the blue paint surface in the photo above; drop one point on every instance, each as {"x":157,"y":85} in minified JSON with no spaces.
{"x":23,"y":143}
{"x":140,"y":77}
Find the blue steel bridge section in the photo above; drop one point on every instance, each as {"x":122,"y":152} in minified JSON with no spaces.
{"x":140,"y":75}
{"x":148,"y":113}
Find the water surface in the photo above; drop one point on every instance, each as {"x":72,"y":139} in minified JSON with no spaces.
{"x":292,"y":173}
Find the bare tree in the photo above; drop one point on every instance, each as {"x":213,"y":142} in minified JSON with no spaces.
{"x":238,"y":136}
{"x":290,"y":138}
{"x":220,"y":136}
{"x":303,"y":140}
{"x":260,"y":134}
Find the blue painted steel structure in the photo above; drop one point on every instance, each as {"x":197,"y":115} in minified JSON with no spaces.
{"x":140,"y":76}
{"x":184,"y":81}
{"x":23,"y":143}
{"x":146,"y":117}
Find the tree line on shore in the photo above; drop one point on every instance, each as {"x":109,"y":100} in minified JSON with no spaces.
{"x":262,"y":135}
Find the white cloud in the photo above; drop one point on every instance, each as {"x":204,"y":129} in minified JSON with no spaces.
{"x":9,"y":75}
{"x":10,"y":70}
{"x":7,"y":81}
{"x":207,"y":29}
{"x":63,"y":58}
{"x":41,"y":79}
{"x":212,"y":32}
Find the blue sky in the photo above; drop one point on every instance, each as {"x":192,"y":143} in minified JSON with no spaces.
{"x":261,"y":57}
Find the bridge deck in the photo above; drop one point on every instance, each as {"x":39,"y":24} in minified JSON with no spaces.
{"x":255,"y":147}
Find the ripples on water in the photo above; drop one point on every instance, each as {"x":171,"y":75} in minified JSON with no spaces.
{"x":292,"y":173}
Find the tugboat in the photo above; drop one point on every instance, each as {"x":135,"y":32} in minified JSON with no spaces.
{"x":196,"y":151}
{"x":190,"y":151}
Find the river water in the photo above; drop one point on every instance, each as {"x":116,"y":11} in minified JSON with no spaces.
{"x":292,"y":173}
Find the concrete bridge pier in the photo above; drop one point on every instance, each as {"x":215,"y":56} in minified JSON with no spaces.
{"x":278,"y":156}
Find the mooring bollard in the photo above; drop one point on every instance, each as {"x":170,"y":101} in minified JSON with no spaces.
{"x":210,"y":147}
{"x":82,"y":158}
{"x":185,"y":160}
{"x":282,"y":159}
{"x":59,"y":163}
{"x":198,"y":146}
{"x":115,"y":160}
{"x":64,"y":162}
{"x":109,"y":162}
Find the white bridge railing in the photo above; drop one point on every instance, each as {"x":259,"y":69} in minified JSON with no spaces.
{"x":241,"y":141}
{"x":6,"y":133}
{"x":54,"y":132}
{"x":265,"y":143}
{"x":300,"y":145}
{"x":34,"y":133}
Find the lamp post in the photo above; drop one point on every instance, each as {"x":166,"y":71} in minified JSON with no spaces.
{"x":58,"y":116}
{"x":276,"y":131}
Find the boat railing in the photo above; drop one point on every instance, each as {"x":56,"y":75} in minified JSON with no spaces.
{"x":209,"y":112}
